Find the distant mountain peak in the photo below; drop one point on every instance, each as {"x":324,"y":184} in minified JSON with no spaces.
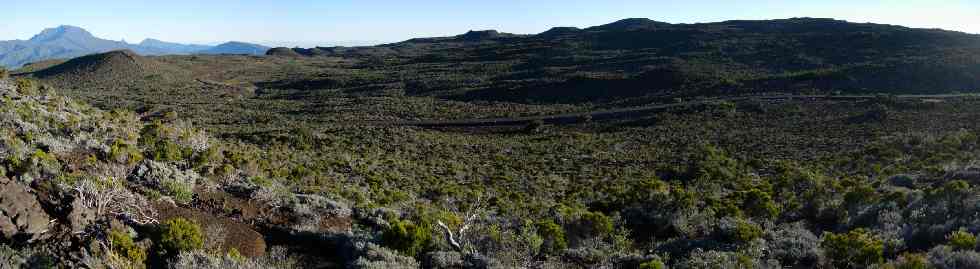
{"x":62,"y":32}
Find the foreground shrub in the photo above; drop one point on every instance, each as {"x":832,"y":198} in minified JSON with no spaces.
{"x":713,"y":259}
{"x":553,"y":236}
{"x":739,"y":230}
{"x":945,"y":257}
{"x":910,"y":261}
{"x":277,"y":258}
{"x":793,"y":244}
{"x":376,"y":257}
{"x":858,"y":248}
{"x":654,"y":264}
{"x":124,"y":246}
{"x":407,"y":237}
{"x":27,"y":86}
{"x":180,"y":235}
{"x":182,"y":192}
{"x":962,"y":240}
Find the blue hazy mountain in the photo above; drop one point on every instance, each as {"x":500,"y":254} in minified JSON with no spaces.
{"x":151,"y":46}
{"x":235,"y":47}
{"x":66,"y":42}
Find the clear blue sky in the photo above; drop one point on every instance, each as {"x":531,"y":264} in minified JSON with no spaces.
{"x":309,"y":22}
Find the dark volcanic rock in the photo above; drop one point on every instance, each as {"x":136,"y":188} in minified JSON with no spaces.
{"x":21,"y":217}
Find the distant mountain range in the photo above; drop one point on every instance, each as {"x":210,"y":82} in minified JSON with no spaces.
{"x":65,"y":42}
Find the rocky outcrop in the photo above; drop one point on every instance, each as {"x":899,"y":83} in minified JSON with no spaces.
{"x":320,"y":214}
{"x":156,"y":175}
{"x":21,"y":217}
{"x":80,"y":216}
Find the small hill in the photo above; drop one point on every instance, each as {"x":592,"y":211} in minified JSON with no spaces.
{"x":115,"y":67}
{"x":477,"y":36}
{"x":560,"y":31}
{"x":283,"y":52}
{"x":298,"y":52}
{"x":632,"y":24}
{"x":235,"y":47}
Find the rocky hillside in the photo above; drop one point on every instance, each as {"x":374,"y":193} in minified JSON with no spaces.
{"x":88,"y":188}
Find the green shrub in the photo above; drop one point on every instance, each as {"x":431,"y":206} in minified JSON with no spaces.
{"x":553,"y":235}
{"x":158,"y":147}
{"x":407,"y":237}
{"x":4,"y":73}
{"x":759,"y":204}
{"x":858,"y":248}
{"x":123,"y":246}
{"x":180,"y":191}
{"x":740,"y":230}
{"x":235,"y":255}
{"x":202,"y":159}
{"x":178,"y":235}
{"x":166,"y":151}
{"x":746,"y":232}
{"x":653,"y":264}
{"x":26,"y":86}
{"x":962,"y":240}
{"x":599,"y":224}
{"x":124,"y":153}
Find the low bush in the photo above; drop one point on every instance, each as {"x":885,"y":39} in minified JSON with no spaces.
{"x":124,"y":246}
{"x":945,"y":257}
{"x":182,"y":192}
{"x":553,"y":235}
{"x":27,"y":86}
{"x":407,"y":237}
{"x":739,"y":230}
{"x":179,"y":235}
{"x":793,"y":244}
{"x":910,"y":261}
{"x":858,"y":248}
{"x":653,"y":264}
{"x":962,"y":240}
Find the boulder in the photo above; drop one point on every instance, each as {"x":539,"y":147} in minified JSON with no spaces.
{"x":21,"y":217}
{"x":237,"y":235}
{"x":320,"y":214}
{"x":80,"y":216}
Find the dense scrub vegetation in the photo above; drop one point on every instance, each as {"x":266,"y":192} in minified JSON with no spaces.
{"x":301,"y":161}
